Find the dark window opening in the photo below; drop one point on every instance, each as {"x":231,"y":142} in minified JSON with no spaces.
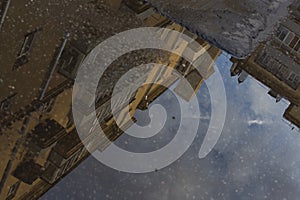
{"x":13,"y":191}
{"x":279,"y":70}
{"x":6,"y":103}
{"x":28,"y":172}
{"x":70,"y":60}
{"x":23,"y":55}
{"x":288,"y":38}
{"x":282,"y":33}
{"x":294,"y":42}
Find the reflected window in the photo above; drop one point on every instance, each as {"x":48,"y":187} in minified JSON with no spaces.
{"x":282,"y":72}
{"x":6,"y":103}
{"x":288,"y":38}
{"x":69,"y":62}
{"x":23,"y":55}
{"x":13,"y":191}
{"x":282,"y":33}
{"x":294,"y":42}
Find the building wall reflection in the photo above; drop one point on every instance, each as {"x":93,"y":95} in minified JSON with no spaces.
{"x":276,"y":64}
{"x":39,"y":143}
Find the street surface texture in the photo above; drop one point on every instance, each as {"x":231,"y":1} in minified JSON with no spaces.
{"x":234,"y":26}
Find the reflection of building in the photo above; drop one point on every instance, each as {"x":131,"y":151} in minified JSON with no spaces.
{"x":276,"y":63}
{"x":292,"y":114}
{"x":36,"y":91}
{"x":37,"y":60}
{"x":151,"y":18}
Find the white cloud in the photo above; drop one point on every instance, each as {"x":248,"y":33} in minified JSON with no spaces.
{"x":256,"y":122}
{"x":262,"y":104}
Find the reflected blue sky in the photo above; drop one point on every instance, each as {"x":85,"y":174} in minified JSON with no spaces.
{"x":257,"y":156}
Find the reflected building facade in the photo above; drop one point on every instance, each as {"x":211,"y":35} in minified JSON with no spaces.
{"x":276,"y":64}
{"x":39,"y":142}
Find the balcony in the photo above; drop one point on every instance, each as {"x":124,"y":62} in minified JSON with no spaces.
{"x":47,"y":133}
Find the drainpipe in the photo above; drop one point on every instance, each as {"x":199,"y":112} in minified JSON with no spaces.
{"x":54,"y":66}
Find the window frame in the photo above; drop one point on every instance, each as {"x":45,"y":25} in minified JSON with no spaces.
{"x":23,"y":55}
{"x":13,"y":190}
